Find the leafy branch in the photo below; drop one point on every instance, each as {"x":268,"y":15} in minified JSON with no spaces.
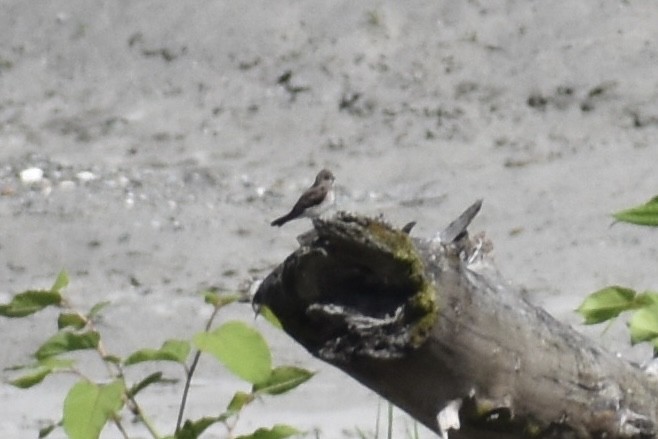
{"x":89,"y":406}
{"x":608,"y":303}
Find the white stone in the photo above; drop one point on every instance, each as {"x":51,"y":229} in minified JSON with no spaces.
{"x":67,"y":185}
{"x":31,"y":175}
{"x":85,"y":176}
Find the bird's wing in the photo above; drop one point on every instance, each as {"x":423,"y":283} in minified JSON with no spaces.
{"x":312,"y":197}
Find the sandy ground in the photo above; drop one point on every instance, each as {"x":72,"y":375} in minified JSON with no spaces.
{"x":171,"y":133}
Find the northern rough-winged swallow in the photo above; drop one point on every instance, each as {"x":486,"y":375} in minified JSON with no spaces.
{"x":314,"y":201}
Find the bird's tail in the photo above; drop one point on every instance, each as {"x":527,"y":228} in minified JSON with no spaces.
{"x":281,"y":221}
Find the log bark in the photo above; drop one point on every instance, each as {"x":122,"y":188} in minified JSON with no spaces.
{"x":431,"y":326}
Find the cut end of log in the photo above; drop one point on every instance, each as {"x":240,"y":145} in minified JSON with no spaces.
{"x":355,"y":287}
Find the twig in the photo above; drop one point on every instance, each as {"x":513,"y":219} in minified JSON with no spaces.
{"x":117,"y":372}
{"x":137,"y":410}
{"x":190,"y":372}
{"x":119,"y":426}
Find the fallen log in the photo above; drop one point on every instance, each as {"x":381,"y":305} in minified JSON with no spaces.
{"x":431,"y":326}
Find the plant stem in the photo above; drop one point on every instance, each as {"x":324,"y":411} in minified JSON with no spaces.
{"x":190,"y":372}
{"x":230,"y":428}
{"x":390,"y":421}
{"x":117,"y":423}
{"x":137,"y":409}
{"x":117,"y":372}
{"x":379,"y":407}
{"x":186,"y":389}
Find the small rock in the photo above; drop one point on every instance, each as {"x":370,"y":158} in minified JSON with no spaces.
{"x":46,"y":187}
{"x":245,"y":179}
{"x":31,"y":175}
{"x":123,"y":181}
{"x":7,"y":190}
{"x":67,"y":185}
{"x":85,"y":176}
{"x":130,"y":199}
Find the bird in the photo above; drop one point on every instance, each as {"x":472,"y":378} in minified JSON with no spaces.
{"x":314,"y":201}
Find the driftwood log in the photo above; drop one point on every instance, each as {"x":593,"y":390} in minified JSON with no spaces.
{"x":431,"y":326}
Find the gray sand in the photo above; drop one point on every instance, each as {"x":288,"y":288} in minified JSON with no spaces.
{"x":169,"y":137}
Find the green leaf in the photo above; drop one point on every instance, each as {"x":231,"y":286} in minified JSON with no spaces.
{"x":193,"y":429}
{"x":240,"y":348}
{"x":606,"y":304}
{"x":65,"y":341}
{"x":60,"y":363}
{"x":56,"y":363}
{"x":643,"y":215}
{"x":219,"y":300}
{"x":88,"y":406}
{"x":112,"y":359}
{"x":153,"y":378}
{"x":644,"y":324}
{"x":61,"y":282}
{"x":40,"y":370}
{"x":239,"y":400}
{"x":646,"y":298}
{"x":29,"y":302}
{"x":30,"y":379}
{"x":72,"y":320}
{"x":282,"y":379}
{"x":171,"y":350}
{"x":96,"y":309}
{"x":267,"y":313}
{"x":279,"y":431}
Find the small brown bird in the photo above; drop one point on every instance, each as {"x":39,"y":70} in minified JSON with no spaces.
{"x":314,"y":201}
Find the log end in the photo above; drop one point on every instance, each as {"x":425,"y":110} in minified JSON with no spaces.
{"x":355,"y":287}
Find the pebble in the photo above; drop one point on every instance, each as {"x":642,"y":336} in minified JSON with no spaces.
{"x":46,"y":187}
{"x":123,"y":181}
{"x":130,"y":199}
{"x":67,"y":185}
{"x":31,"y":175}
{"x":245,"y":179}
{"x":85,"y":176}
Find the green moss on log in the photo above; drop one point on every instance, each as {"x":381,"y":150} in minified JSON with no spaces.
{"x":422,"y":304}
